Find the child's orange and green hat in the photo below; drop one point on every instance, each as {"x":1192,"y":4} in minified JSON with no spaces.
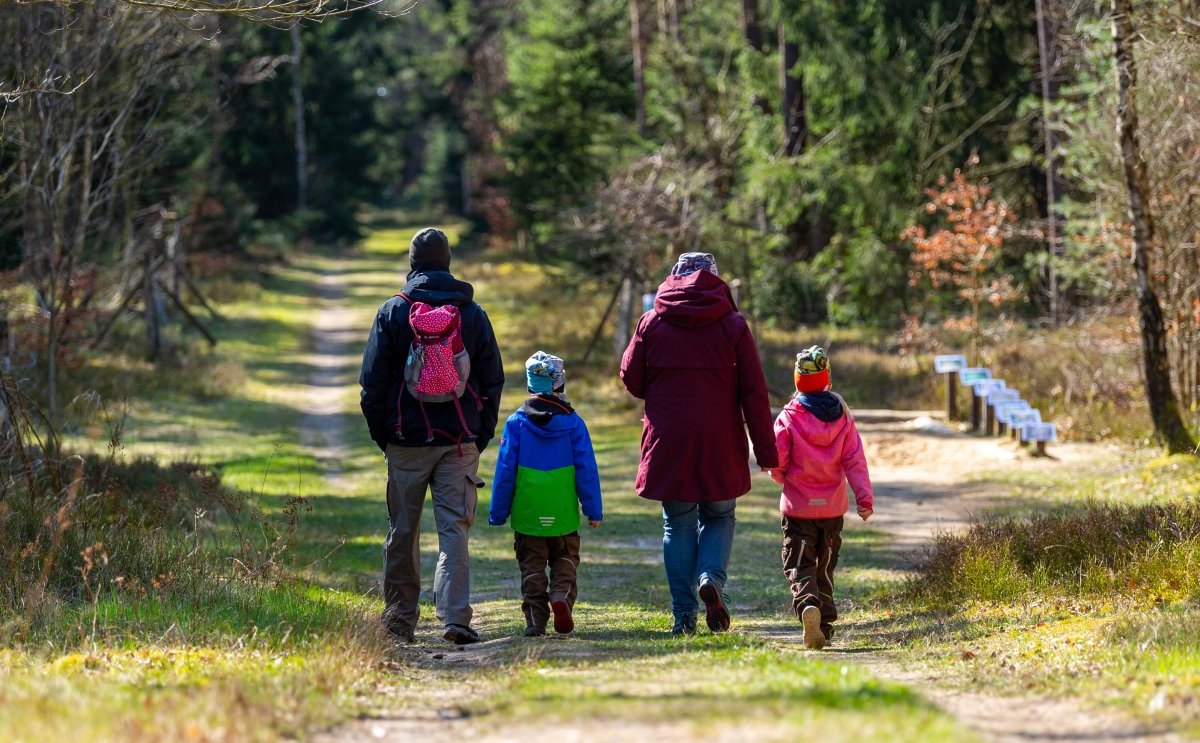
{"x":812,"y":370}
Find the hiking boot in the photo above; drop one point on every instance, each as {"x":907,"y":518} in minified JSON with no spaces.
{"x":563,"y":621}
{"x":535,"y":631}
{"x":685,"y":624}
{"x":398,"y":629}
{"x":460,"y":634}
{"x":814,"y":639}
{"x":716,"y":615}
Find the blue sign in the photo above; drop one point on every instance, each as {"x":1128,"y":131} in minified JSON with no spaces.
{"x":1039,"y":432}
{"x":988,"y":387}
{"x":947,"y":364}
{"x":1021,"y":418}
{"x":1002,"y":396}
{"x":1005,"y":410}
{"x":971,"y":376}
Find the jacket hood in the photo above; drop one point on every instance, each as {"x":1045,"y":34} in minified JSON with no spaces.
{"x":817,"y":430}
{"x":826,"y":406}
{"x":694,"y":300}
{"x":550,"y":418}
{"x":438,"y":288}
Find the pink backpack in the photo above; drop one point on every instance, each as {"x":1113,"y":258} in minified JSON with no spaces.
{"x":438,"y":366}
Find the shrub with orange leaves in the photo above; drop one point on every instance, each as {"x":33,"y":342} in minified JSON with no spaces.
{"x":961,"y":251}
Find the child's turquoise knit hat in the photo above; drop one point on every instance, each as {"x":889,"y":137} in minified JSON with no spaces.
{"x":546,"y":373}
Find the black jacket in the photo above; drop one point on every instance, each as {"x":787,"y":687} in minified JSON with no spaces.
{"x":387,"y":350}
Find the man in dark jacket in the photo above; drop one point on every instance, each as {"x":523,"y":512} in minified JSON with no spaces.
{"x":426,"y":444}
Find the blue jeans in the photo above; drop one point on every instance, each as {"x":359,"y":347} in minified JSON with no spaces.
{"x":697,"y":540}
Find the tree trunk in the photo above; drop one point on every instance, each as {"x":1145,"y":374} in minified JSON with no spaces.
{"x":810,"y":233}
{"x":629,"y":302}
{"x":639,"y":74}
{"x":752,"y":30}
{"x":1164,"y":408}
{"x":1048,"y":58}
{"x":298,"y":105}
{"x":752,"y":25}
{"x":791,"y":83}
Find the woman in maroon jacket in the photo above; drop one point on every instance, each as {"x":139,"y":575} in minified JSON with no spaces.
{"x":695,"y":364}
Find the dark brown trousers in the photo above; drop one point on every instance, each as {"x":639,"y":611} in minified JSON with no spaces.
{"x":534,"y":556}
{"x":810,"y":555}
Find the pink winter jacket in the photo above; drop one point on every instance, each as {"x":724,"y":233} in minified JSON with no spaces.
{"x":815,"y":461}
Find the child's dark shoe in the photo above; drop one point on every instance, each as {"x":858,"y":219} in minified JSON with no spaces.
{"x":563,"y":621}
{"x":685,"y":624}
{"x":810,"y":617}
{"x":827,"y":630}
{"x":535,"y":631}
{"x":716,"y":615}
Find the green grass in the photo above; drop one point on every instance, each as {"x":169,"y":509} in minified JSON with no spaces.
{"x":1092,"y":594}
{"x":286,"y":656}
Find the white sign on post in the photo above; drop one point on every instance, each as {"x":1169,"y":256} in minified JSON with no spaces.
{"x":947,"y":364}
{"x":1006,"y":410}
{"x":1021,"y":418}
{"x":1001,"y":396}
{"x":971,"y":376}
{"x":1039,"y":432}
{"x":988,"y":387}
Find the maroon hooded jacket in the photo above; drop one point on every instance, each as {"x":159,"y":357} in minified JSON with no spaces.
{"x":694,"y":362}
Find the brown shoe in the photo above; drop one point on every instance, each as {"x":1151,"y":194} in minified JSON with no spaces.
{"x":814,"y":638}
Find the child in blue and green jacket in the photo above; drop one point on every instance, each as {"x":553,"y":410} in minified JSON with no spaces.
{"x":545,"y":471}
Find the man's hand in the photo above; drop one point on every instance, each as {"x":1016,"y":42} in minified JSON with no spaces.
{"x":593,"y":524}
{"x":864,"y":513}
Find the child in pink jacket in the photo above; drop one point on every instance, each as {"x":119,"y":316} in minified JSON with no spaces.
{"x":819,"y":450}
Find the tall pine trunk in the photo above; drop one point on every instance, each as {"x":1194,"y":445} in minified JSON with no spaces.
{"x":1164,"y":408}
{"x":639,"y":57}
{"x":298,"y":106}
{"x":1048,"y":59}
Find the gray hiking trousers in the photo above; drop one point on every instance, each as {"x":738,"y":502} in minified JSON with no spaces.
{"x":451,"y":474}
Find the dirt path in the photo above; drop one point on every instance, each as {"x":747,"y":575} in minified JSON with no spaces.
{"x":923,"y":474}
{"x":322,"y":428}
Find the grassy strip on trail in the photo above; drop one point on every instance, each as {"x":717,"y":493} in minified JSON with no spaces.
{"x":1097,"y":597}
{"x":296,"y":650}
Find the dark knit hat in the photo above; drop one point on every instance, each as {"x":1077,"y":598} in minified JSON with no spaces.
{"x":429,"y":251}
{"x":812,"y":370}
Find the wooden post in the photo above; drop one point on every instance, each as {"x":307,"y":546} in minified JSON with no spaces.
{"x":1001,"y":428}
{"x":976,"y":410}
{"x":990,"y":419}
{"x":951,"y":395}
{"x":1041,"y":449}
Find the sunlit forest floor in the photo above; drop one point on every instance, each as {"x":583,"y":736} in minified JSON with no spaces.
{"x":294,"y":650}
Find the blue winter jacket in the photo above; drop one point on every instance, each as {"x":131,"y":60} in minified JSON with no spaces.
{"x":545,"y":471}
